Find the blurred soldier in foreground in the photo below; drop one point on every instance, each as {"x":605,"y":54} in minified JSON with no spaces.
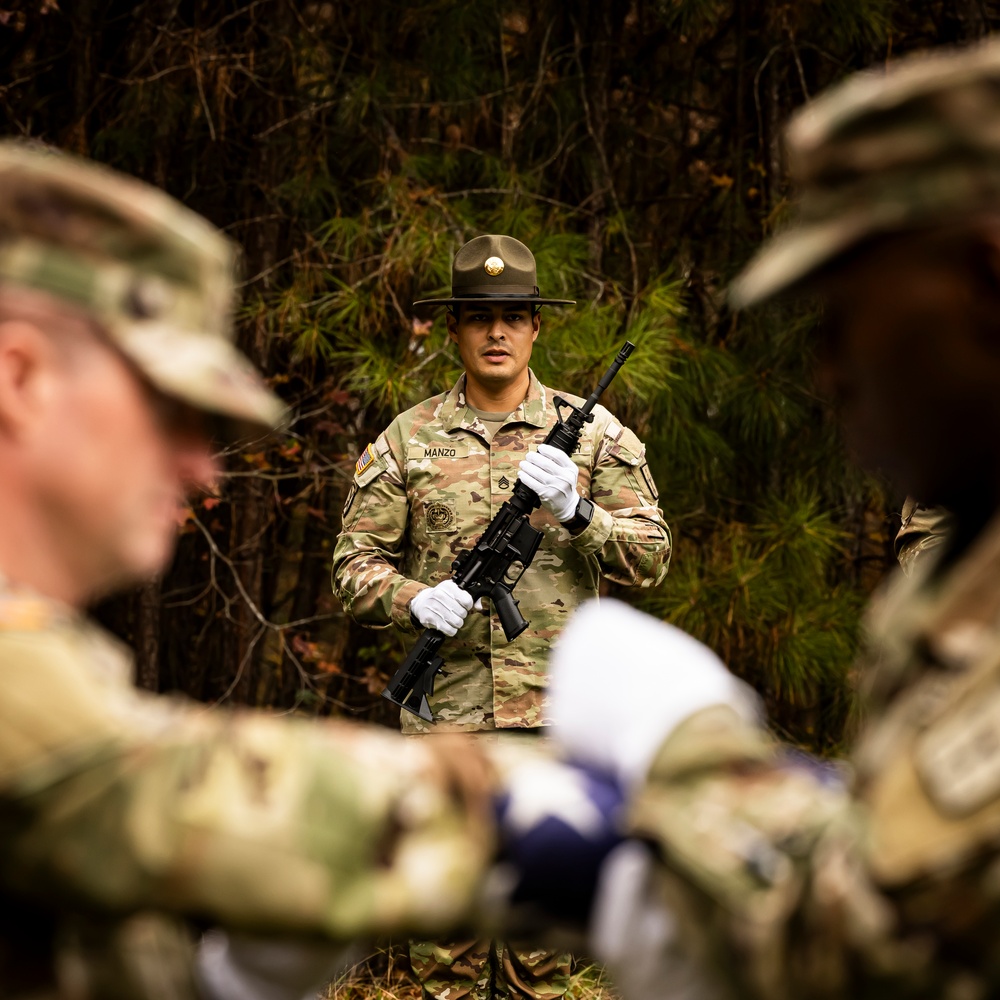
{"x":116,"y":364}
{"x":770,"y":881}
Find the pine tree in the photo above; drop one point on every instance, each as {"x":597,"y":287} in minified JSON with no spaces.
{"x":351,"y":148}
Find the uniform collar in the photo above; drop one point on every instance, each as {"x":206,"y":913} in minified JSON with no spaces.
{"x":22,"y":607}
{"x":455,"y":412}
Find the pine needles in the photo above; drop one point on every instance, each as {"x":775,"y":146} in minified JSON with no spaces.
{"x":352,"y":147}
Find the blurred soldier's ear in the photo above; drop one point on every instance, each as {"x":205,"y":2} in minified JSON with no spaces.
{"x":29,"y":364}
{"x":39,"y":340}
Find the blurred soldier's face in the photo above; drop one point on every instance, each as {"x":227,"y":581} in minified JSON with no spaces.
{"x":494,"y":341}
{"x":103,"y":460}
{"x":912,"y":361}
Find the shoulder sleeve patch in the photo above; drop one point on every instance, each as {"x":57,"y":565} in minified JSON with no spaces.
{"x":366,"y":459}
{"x":372,"y":462}
{"x":624,"y":445}
{"x":958,"y":758}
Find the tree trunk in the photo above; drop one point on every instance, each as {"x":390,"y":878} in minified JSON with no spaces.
{"x":147,"y":637}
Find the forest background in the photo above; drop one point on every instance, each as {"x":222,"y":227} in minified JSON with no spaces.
{"x":350,"y":148}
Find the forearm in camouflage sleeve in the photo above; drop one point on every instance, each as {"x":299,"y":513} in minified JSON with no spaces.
{"x":765,"y":866}
{"x":628,"y":531}
{"x":267,"y":824}
{"x":366,"y":558}
{"x":264,"y":825}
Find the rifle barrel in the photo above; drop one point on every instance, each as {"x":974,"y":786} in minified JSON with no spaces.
{"x":623,"y":356}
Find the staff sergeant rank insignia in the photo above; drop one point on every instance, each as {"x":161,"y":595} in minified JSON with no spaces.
{"x":366,"y":459}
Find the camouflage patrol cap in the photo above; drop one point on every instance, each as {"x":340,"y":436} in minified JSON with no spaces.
{"x":157,"y":277}
{"x":884,"y":151}
{"x":491,"y":268}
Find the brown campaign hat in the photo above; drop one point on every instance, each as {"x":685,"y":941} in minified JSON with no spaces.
{"x":158,"y":278}
{"x":491,"y":268}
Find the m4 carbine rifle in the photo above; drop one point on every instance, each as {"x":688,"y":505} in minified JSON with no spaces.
{"x":485,"y":570}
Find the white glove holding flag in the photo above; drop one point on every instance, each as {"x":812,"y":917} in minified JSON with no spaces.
{"x":621,"y":681}
{"x":238,"y":966}
{"x":443,"y":607}
{"x":553,"y":475}
{"x":634,"y":934}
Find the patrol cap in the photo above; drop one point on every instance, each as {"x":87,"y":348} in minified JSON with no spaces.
{"x":889,"y":150}
{"x":158,"y":278}
{"x":491,"y":268}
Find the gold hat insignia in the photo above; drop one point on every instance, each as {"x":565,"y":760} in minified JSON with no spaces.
{"x":493,"y":266}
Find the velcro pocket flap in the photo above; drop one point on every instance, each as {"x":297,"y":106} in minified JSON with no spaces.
{"x":625,"y":446}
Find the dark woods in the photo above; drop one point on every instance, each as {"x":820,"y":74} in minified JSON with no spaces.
{"x":350,"y":147}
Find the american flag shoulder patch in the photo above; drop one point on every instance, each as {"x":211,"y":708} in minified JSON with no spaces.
{"x":366,"y":458}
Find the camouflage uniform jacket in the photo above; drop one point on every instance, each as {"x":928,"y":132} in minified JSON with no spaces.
{"x":426,"y":490}
{"x":793,"y":888}
{"x":113,"y":801}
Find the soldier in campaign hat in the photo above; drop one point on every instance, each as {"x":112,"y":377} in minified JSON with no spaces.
{"x":433,"y":479}
{"x":769,"y":879}
{"x":427,"y":488}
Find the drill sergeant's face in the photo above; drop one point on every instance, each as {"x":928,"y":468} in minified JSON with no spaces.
{"x":106,"y":460}
{"x":494,"y":340}
{"x":911,"y":358}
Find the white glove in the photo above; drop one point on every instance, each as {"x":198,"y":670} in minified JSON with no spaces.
{"x":636,"y":936}
{"x":552,"y":474}
{"x":621,"y":681}
{"x":443,"y":607}
{"x":232,"y":966}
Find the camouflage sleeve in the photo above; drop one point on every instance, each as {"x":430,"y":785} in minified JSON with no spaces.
{"x":369,"y":549}
{"x":628,"y":531}
{"x":923,"y":530}
{"x":789,"y":885}
{"x":269,"y":824}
